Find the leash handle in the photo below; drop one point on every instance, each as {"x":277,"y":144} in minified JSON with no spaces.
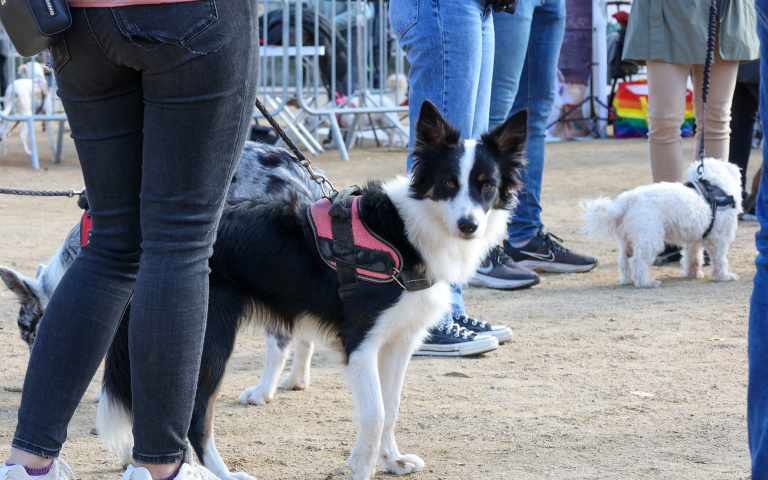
{"x":706,"y":77}
{"x":325,"y":184}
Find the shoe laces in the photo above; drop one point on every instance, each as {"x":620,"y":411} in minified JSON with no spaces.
{"x":467,"y":319}
{"x":554,"y":242}
{"x":458,"y":331}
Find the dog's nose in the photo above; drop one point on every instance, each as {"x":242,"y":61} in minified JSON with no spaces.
{"x":468,"y":226}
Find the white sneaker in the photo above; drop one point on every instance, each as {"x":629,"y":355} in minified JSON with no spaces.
{"x":189,"y":471}
{"x":60,"y":470}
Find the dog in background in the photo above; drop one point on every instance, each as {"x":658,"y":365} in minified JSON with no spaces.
{"x":28,"y":95}
{"x":644,"y":218}
{"x":396,"y":92}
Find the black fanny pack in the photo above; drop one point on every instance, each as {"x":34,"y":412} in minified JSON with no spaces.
{"x":34,"y":25}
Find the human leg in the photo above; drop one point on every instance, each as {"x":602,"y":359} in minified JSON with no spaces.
{"x":537,"y":93}
{"x":716,"y":124}
{"x":743,"y":117}
{"x":121,"y":157}
{"x":666,"y":110}
{"x":757,"y":395}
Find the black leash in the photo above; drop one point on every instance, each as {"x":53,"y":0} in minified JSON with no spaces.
{"x":43,"y":193}
{"x":325,"y":184}
{"x":706,"y":79}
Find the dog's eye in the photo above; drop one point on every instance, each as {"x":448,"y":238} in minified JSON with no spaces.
{"x":488,"y":186}
{"x":450,"y":184}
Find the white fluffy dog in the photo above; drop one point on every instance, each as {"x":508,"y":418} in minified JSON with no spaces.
{"x":643,"y":218}
{"x":28,"y":95}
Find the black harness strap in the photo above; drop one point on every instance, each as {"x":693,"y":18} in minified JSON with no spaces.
{"x":341,"y":229}
{"x":713,"y":195}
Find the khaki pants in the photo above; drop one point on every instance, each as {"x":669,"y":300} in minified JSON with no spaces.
{"x":666,"y":111}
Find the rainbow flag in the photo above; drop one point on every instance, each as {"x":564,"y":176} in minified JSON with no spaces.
{"x":631,"y":104}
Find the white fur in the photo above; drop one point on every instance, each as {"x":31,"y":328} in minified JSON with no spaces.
{"x":375,"y":373}
{"x":213,"y":462}
{"x":24,"y":97}
{"x":115,"y":427}
{"x":448,"y":257}
{"x":643,"y":218}
{"x":265,"y":390}
{"x":298,"y":378}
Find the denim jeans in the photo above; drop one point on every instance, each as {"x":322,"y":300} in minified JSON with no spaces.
{"x":449,"y":45}
{"x":757,"y":396}
{"x":524,"y":73}
{"x":159,"y":99}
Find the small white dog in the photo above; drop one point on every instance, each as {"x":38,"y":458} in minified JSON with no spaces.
{"x":396,"y":92}
{"x":643,"y":218}
{"x":28,"y":95}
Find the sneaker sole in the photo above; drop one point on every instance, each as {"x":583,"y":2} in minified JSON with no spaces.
{"x":481,"y":280}
{"x":503,"y":334}
{"x":549,"y":267}
{"x":475,"y":347}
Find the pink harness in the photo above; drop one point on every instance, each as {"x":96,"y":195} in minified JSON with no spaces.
{"x":350,"y":248}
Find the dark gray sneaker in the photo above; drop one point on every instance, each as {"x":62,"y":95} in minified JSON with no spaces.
{"x":499,"y":271}
{"x":544,"y":253}
{"x":502,"y":332}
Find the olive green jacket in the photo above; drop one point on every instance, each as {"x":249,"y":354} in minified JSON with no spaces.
{"x":675,"y":31}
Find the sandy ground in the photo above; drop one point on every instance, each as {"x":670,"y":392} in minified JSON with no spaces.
{"x":600,"y":382}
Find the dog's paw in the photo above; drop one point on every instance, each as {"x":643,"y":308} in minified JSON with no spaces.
{"x":403,"y":465}
{"x":726,"y":277}
{"x":361,"y":467}
{"x":256,"y":396}
{"x":294,"y":381}
{"x":648,"y":283}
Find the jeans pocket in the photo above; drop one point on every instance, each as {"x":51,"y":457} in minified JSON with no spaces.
{"x":168,"y":23}
{"x":59,"y":54}
{"x":403,"y":15}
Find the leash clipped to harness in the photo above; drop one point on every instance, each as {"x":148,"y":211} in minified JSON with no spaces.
{"x":712,"y":194}
{"x":325,"y":184}
{"x":343,"y":240}
{"x":349,"y":247}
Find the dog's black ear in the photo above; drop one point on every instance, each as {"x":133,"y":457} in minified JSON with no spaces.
{"x":509,"y":138}
{"x":432,"y":130}
{"x":508,"y":142}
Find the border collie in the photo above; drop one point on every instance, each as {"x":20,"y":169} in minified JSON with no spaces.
{"x":442,"y":219}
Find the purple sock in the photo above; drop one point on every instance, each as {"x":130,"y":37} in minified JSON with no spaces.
{"x":172,"y":476}
{"x":35,"y":472}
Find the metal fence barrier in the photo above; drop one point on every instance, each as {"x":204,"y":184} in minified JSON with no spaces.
{"x":309,"y":78}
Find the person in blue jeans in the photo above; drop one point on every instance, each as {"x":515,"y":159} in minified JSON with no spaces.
{"x":450,"y":46}
{"x":757,"y":396}
{"x":524,"y":73}
{"x":159,"y":99}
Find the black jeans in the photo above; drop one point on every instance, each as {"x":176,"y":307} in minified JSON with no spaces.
{"x":159,"y":99}
{"x":743,"y":118}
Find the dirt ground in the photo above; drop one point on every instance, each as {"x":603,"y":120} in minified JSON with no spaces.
{"x":600,"y":382}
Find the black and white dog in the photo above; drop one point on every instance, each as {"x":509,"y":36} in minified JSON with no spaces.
{"x":442,"y":219}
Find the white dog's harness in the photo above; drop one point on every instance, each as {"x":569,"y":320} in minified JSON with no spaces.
{"x":713,"y":195}
{"x":349,"y":247}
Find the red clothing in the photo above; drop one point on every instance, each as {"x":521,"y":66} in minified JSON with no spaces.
{"x":118,"y":3}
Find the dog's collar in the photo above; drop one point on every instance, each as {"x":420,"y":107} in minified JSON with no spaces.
{"x":349,"y":247}
{"x":713,"y":195}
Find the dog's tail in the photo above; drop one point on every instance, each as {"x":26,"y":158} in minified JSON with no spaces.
{"x":114,"y":420}
{"x":600,"y":216}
